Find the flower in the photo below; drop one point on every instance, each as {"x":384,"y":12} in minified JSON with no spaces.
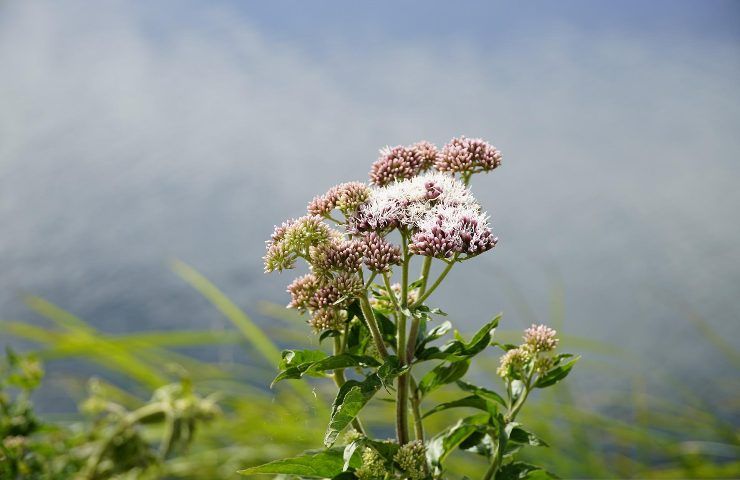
{"x":340,"y":255}
{"x":326,"y":319}
{"x":540,"y":338}
{"x":351,"y":195}
{"x":411,"y":457}
{"x":335,"y":291}
{"x":373,"y":466}
{"x":401,"y":163}
{"x":294,"y":238}
{"x":405,"y":203}
{"x":380,"y":254}
{"x":302,"y":290}
{"x":427,"y":153}
{"x":468,"y":155}
{"x":449,"y":230}
{"x":345,"y":196}
{"x":513,"y":361}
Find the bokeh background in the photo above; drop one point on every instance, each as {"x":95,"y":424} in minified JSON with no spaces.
{"x":135,"y":133}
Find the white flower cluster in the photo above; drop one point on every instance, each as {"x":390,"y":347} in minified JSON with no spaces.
{"x":439,"y":210}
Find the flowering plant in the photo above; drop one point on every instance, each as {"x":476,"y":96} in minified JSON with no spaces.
{"x":357,"y":239}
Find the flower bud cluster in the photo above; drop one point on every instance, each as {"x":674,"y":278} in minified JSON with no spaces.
{"x":411,"y":457}
{"x":385,"y":303}
{"x":293,"y":239}
{"x":402,"y":163}
{"x":324,"y":298}
{"x":380,"y":255}
{"x":346,"y":197}
{"x":337,"y":256}
{"x":373,"y":466}
{"x":467,"y":156}
{"x":539,"y":340}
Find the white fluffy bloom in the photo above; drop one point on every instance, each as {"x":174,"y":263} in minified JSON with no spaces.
{"x":407,"y":203}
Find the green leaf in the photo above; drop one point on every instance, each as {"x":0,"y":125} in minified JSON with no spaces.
{"x":458,"y":349}
{"x":445,"y":442}
{"x":329,"y":333}
{"x":481,"y":392}
{"x":443,"y":374}
{"x":554,"y":375}
{"x":293,"y":358}
{"x":472,"y":401}
{"x":311,"y":464}
{"x":518,"y":434}
{"x":352,"y":396}
{"x":318,"y":367}
{"x":522,"y":471}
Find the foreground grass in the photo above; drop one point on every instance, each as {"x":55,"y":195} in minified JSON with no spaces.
{"x":626,"y":434}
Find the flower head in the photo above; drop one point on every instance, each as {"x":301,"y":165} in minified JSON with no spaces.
{"x":373,"y":466}
{"x":345,"y":196}
{"x":326,"y":319}
{"x":401,"y":163}
{"x":468,"y":155}
{"x":295,"y":237}
{"x":541,"y":338}
{"x":449,"y":230}
{"x":405,"y":203}
{"x":337,"y":256}
{"x":302,"y":290}
{"x":380,"y":254}
{"x":411,"y":457}
{"x":513,"y":361}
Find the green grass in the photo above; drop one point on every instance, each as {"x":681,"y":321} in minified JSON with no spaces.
{"x":603,"y":434}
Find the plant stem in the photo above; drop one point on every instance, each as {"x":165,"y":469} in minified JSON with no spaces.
{"x":340,"y":379}
{"x":402,"y":393}
{"x":437,"y":282}
{"x":416,"y":410}
{"x":425,"y":274}
{"x":372,"y":324}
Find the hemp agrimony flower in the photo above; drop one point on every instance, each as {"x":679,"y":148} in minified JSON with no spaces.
{"x":361,"y":293}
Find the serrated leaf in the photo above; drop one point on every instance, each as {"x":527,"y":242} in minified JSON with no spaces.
{"x":472,"y":401}
{"x":554,"y":375}
{"x":352,"y":396}
{"x":481,"y":392}
{"x":310,"y":464}
{"x":442,"y":375}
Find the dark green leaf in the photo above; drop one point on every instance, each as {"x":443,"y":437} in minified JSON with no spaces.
{"x":443,"y":374}
{"x":458,"y":349}
{"x":518,"y":434}
{"x":473,"y":401}
{"x":554,"y":375}
{"x":352,"y":396}
{"x":317,"y":368}
{"x":522,"y":471}
{"x":311,"y":464}
{"x":329,"y":333}
{"x":445,"y":442}
{"x":481,"y":392}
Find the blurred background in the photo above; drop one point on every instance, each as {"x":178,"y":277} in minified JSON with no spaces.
{"x":136,"y":133}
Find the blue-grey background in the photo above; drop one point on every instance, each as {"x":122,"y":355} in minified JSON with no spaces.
{"x":132,"y":133}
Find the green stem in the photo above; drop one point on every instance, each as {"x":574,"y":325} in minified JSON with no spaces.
{"x":372,"y":324}
{"x":340,"y":380}
{"x":425,"y":274}
{"x":437,"y":282}
{"x":416,"y":409}
{"x":402,"y":393}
